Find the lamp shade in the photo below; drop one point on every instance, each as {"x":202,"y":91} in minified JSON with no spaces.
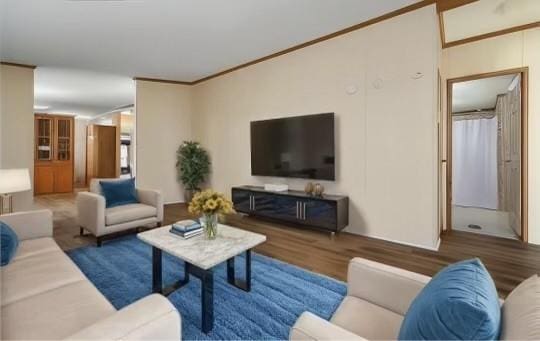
{"x":14,"y":180}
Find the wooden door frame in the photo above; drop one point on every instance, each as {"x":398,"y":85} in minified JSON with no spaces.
{"x":524,"y":72}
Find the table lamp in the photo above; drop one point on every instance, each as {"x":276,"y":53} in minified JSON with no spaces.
{"x":12,"y":181}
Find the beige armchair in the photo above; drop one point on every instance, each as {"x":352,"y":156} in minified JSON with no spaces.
{"x":378,"y":297}
{"x":104,"y":222}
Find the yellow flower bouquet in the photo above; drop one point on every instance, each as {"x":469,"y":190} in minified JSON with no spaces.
{"x":210,"y":204}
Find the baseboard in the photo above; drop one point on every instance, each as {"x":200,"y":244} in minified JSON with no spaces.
{"x":435,"y":248}
{"x":174,"y":202}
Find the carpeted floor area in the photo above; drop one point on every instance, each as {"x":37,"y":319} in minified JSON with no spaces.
{"x":122,"y":271}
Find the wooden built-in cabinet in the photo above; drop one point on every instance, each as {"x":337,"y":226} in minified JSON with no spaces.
{"x":53,"y":164}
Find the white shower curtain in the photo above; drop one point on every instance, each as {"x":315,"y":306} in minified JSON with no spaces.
{"x":474,"y":163}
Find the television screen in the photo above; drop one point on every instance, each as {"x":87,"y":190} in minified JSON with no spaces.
{"x":296,"y":147}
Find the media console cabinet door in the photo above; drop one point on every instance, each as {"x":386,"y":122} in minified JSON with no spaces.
{"x":321,"y":213}
{"x":242,"y":200}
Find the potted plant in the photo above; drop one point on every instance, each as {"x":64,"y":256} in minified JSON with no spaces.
{"x":193,"y":166}
{"x":210,"y":204}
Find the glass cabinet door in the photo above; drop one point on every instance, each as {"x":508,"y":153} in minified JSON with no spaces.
{"x":63,"y":148}
{"x":44,"y":130}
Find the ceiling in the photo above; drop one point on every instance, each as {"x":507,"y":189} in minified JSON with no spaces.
{"x":82,"y":93}
{"x":485,"y":16}
{"x":479,"y":93}
{"x":172,"y":39}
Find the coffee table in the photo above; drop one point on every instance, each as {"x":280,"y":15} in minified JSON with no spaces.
{"x":200,"y":256}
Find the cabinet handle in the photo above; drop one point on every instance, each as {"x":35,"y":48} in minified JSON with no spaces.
{"x":297,"y":210}
{"x":304,"y":210}
{"x":253,"y":203}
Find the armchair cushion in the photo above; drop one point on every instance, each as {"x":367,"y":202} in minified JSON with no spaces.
{"x":117,"y":193}
{"x":8,"y":242}
{"x":369,"y":320}
{"x":129,"y":212}
{"x":460,"y":302}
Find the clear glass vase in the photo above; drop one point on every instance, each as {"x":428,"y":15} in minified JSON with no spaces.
{"x":210,"y":225}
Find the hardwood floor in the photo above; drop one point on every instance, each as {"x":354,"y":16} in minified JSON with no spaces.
{"x":508,"y":261}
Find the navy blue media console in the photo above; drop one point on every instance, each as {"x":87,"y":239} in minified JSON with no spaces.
{"x":328,"y":212}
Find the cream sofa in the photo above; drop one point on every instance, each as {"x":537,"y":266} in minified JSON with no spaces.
{"x":94,"y":217}
{"x":378,"y":296}
{"x":45,"y":295}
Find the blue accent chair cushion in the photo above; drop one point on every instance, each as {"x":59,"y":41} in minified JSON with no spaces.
{"x":9,"y":242}
{"x":119,"y":192}
{"x":459,"y":303}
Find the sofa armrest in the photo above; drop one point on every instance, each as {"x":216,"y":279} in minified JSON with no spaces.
{"x":153,"y":198}
{"x":311,"y":327}
{"x":30,"y":224}
{"x":386,"y":286}
{"x":91,"y":212}
{"x":150,"y":318}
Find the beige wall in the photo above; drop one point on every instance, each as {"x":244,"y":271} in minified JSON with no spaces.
{"x":500,"y":53}
{"x":17,"y":125}
{"x":163,"y":114}
{"x":386,"y":134}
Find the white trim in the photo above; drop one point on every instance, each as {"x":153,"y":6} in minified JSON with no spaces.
{"x":431,"y":248}
{"x":174,"y":202}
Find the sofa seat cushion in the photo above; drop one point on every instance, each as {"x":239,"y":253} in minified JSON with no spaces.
{"x":35,"y":247}
{"x":521,"y":312}
{"x":36,"y":274}
{"x":55,"y":314}
{"x":130,"y":212}
{"x":367,"y":320}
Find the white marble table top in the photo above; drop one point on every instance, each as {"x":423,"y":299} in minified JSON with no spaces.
{"x":200,"y":251}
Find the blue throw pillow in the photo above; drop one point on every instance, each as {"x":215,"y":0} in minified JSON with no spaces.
{"x":9,"y":242}
{"x":117,"y":193}
{"x":459,"y":303}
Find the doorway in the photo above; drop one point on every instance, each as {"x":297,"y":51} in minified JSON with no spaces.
{"x":487,"y":154}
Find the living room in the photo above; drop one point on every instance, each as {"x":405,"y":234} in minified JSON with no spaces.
{"x":384,"y":71}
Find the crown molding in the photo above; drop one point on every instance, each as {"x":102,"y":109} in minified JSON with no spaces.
{"x":157,"y":80}
{"x":18,"y":65}
{"x":491,"y":34}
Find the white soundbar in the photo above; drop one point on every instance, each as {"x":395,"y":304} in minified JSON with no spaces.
{"x":276,"y":187}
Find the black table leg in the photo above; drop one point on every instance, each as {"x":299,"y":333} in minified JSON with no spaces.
{"x":207,"y":286}
{"x":157,"y":285}
{"x":207,"y":302}
{"x":231,"y":278}
{"x":157,"y":275}
{"x":207,"y":295}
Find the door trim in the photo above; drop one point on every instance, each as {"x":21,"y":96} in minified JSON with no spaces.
{"x":524,"y":71}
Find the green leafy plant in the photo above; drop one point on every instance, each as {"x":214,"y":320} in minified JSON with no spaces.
{"x":192,"y":165}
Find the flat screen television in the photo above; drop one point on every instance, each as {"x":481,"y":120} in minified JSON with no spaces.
{"x":295,"y":147}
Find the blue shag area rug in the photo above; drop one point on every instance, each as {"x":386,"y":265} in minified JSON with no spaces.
{"x":122,"y":270}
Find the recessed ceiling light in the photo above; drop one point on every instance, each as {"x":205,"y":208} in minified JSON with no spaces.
{"x":41,"y":107}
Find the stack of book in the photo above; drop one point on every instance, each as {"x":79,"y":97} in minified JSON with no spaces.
{"x":186,"y":228}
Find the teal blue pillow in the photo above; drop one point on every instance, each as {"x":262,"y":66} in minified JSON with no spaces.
{"x":119,"y":192}
{"x":459,"y":303}
{"x":9,"y":242}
